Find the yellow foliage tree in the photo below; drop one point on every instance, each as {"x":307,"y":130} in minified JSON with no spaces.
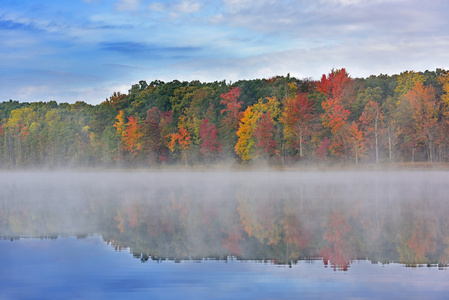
{"x":245,"y":147}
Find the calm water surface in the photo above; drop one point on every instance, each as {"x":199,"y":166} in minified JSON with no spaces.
{"x":241,"y":235}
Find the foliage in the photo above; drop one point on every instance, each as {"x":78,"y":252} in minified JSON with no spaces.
{"x":381,"y":118}
{"x":210,"y":145}
{"x":297,"y":118}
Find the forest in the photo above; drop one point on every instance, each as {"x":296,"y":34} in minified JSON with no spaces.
{"x":280,"y":121}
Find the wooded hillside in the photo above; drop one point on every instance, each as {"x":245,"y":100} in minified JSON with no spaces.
{"x":281,"y":120}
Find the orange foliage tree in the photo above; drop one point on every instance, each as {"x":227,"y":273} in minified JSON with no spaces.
{"x":132,"y":136}
{"x":182,"y":139}
{"x":424,"y":111}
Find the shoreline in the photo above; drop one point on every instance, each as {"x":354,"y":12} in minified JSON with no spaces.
{"x":309,"y":167}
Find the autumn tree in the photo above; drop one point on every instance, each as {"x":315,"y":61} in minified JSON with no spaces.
{"x":182,"y":140}
{"x":391,"y":126}
{"x":249,"y":145}
{"x":406,"y":81}
{"x":425,"y":115}
{"x":372,"y":122}
{"x":17,"y":129}
{"x":152,"y":134}
{"x":297,"y":118}
{"x":166,"y":124}
{"x":120,"y":126}
{"x":245,"y":144}
{"x":443,"y":80}
{"x":358,"y":141}
{"x":210,"y":145}
{"x":116,"y":100}
{"x":265,"y":136}
{"x":232,"y":116}
{"x":132,"y":136}
{"x":335,"y":114}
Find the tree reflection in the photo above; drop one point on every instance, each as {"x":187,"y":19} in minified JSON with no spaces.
{"x":338,"y":224}
{"x":337,"y":251}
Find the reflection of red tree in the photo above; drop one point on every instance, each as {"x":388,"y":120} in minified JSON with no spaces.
{"x":120,"y":222}
{"x":295,"y":233}
{"x":336,"y":252}
{"x":208,"y":213}
{"x":232,"y":241}
{"x":133,"y":216}
{"x":160,"y":220}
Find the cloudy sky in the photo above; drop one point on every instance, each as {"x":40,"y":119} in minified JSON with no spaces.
{"x":87,"y":49}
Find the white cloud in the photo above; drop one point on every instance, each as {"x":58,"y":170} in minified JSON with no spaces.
{"x":127,"y":5}
{"x":157,"y":6}
{"x":374,"y":56}
{"x":231,"y":39}
{"x":27,"y":93}
{"x":175,"y":9}
{"x":187,"y":7}
{"x":343,"y":2}
{"x":234,"y":6}
{"x":358,"y":2}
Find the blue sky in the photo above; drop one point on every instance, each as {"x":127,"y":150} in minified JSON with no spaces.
{"x":87,"y":49}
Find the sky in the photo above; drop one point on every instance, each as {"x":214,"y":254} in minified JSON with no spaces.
{"x":84,"y":50}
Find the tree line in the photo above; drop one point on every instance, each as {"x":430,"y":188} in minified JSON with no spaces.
{"x":282,"y":120}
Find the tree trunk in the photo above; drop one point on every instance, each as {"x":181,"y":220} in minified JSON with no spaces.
{"x":390,"y":152}
{"x":376,"y":134}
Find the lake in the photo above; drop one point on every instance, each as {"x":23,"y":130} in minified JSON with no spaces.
{"x":224,"y":235}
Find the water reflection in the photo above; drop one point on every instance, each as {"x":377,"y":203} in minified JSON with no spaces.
{"x":284,"y":217}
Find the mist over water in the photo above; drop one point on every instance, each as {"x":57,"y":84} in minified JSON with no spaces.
{"x":337,"y":217}
{"x":224,"y":235}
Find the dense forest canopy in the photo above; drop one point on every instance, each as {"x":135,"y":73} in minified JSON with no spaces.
{"x":281,"y":120}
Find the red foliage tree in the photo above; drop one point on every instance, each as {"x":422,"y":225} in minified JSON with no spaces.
{"x":232,"y":115}
{"x":210,"y":146}
{"x":152,"y":131}
{"x":264,"y":135}
{"x":297,"y":118}
{"x":233,"y":106}
{"x":323,"y":148}
{"x":337,"y":87}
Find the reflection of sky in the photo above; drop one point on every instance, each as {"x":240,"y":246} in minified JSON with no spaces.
{"x":70,"y":268}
